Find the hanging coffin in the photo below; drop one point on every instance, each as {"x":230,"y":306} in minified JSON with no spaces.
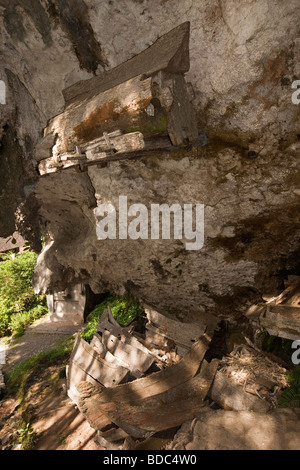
{"x":141,"y":106}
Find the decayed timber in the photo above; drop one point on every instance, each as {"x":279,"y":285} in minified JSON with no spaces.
{"x":170,"y":52}
{"x":105,"y":372}
{"x":98,"y":346}
{"x":232,"y":397}
{"x":282,"y":321}
{"x":147,"y":94}
{"x":119,"y":108}
{"x":174,"y":98}
{"x":158,"y":382}
{"x":154,"y":337}
{"x":129,"y":355}
{"x":183,"y":334}
{"x":280,"y":315}
{"x":101,"y":381}
{"x":153,"y":413}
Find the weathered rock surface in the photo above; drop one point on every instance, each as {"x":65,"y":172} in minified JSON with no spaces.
{"x":240,"y":430}
{"x":245,"y":224}
{"x":244,"y":57}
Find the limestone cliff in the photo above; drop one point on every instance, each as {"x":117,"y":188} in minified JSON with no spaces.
{"x":244,"y":57}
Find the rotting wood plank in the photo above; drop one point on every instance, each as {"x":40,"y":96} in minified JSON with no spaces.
{"x":111,"y":359}
{"x":154,"y":413}
{"x":281,"y":320}
{"x":281,"y":314}
{"x":120,"y":108}
{"x":121,"y":143}
{"x":105,"y":325}
{"x":154,"y":337}
{"x":152,"y":146}
{"x":113,"y":434}
{"x":173,"y":96}
{"x":170,"y":52}
{"x":231,"y":396}
{"x":106,"y":373}
{"x":75,"y":374}
{"x":98,"y":346}
{"x":129,"y":355}
{"x":181,"y":333}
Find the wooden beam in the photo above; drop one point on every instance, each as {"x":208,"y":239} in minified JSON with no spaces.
{"x":157,"y":146}
{"x":170,"y":52}
{"x":281,"y":320}
{"x":171,"y":91}
{"x":181,"y":333}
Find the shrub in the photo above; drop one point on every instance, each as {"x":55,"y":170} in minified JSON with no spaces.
{"x":19,"y":305}
{"x":124,"y":310}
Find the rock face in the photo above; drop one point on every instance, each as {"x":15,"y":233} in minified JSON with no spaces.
{"x":244,"y":57}
{"x":244,"y":430}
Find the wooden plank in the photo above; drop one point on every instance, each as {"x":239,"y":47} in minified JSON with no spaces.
{"x":131,"y":356}
{"x":108,"y":374}
{"x":281,"y":320}
{"x":288,"y":311}
{"x":290,"y":296}
{"x":98,"y":346}
{"x":127,"y":155}
{"x":75,"y":375}
{"x":122,"y":143}
{"x":159,"y":145}
{"x":155,"y":337}
{"x":121,"y":107}
{"x":170,"y":52}
{"x":161,"y":381}
{"x":166,"y":343}
{"x":281,"y":314}
{"x":172,"y":93}
{"x":182,"y":333}
{"x":157,"y":413}
{"x":105,"y":324}
{"x":139,"y":343}
{"x":122,"y":333}
{"x":232,"y":397}
{"x":113,"y":434}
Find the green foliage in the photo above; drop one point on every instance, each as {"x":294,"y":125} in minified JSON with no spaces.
{"x":124,"y":310}
{"x":19,"y":306}
{"x":27,"y":436}
{"x":290,"y":397}
{"x":93,"y":318}
{"x":275,"y":344}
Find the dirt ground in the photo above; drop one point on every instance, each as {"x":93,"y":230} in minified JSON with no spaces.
{"x":54,"y":417}
{"x":58,"y":424}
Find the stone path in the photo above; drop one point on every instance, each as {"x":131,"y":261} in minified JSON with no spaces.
{"x":41,"y":335}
